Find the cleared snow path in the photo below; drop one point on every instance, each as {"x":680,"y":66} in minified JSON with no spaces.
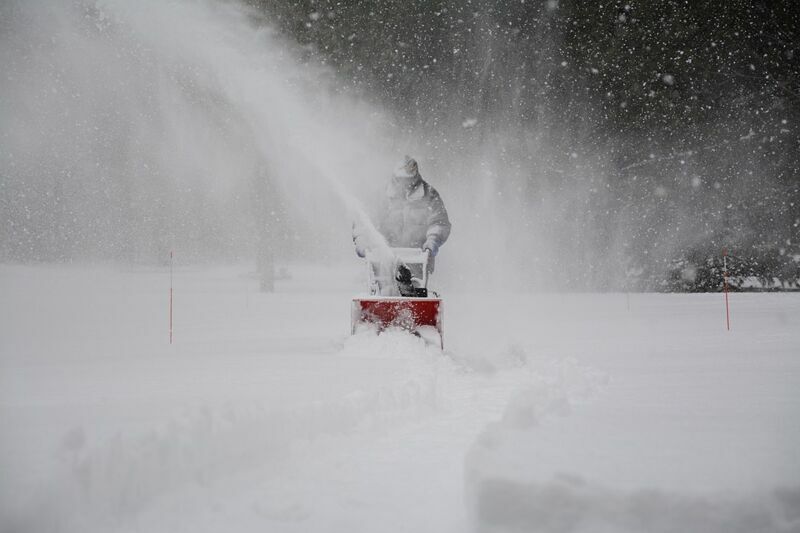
{"x":264,"y":413}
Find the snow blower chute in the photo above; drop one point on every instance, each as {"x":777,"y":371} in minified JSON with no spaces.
{"x":399,"y":295}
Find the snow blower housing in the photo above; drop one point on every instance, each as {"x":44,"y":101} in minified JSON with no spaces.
{"x":399,"y":295}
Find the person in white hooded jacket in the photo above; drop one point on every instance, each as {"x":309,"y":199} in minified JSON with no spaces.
{"x":412,"y":214}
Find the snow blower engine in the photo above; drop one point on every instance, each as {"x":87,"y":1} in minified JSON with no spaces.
{"x":399,"y":295}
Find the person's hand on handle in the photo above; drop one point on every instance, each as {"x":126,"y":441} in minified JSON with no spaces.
{"x":431,"y":246}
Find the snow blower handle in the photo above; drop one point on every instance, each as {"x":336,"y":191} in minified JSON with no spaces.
{"x":381,"y":270}
{"x":427,"y":253}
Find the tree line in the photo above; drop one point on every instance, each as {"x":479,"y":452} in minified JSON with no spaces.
{"x":680,"y":118}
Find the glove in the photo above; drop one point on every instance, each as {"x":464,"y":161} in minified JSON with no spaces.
{"x":360,"y":251}
{"x":432,"y":246}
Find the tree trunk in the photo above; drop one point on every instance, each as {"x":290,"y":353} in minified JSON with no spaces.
{"x":265,"y":206}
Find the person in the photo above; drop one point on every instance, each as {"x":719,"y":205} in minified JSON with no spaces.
{"x":412,"y":214}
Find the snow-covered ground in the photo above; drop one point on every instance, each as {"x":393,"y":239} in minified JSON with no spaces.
{"x":553,"y":412}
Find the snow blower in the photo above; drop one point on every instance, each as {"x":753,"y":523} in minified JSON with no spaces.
{"x":399,"y":296}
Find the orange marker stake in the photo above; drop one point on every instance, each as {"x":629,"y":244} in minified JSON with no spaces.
{"x":725,"y":285}
{"x":170,"y":297}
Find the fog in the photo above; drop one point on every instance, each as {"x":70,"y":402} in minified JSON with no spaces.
{"x":134,"y":128}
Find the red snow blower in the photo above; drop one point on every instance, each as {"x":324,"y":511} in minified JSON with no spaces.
{"x":399,"y":296}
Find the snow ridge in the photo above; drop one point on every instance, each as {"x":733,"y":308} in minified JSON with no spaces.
{"x":501,"y":500}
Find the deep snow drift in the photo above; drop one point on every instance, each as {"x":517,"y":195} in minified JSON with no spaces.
{"x":546,"y":412}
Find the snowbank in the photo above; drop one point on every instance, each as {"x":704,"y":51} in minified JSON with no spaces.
{"x":708,"y":445}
